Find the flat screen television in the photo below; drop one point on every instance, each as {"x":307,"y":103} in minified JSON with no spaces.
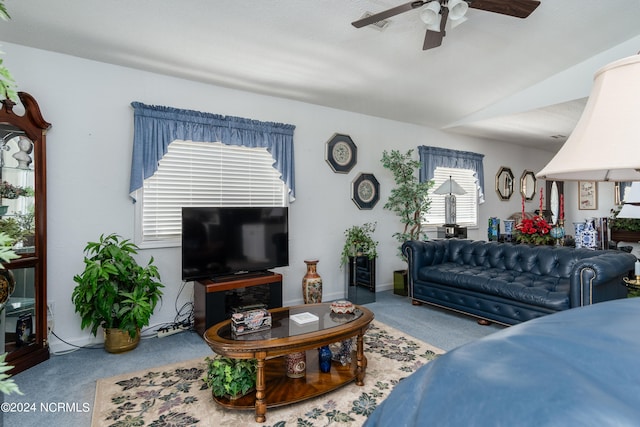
{"x":226,"y":241}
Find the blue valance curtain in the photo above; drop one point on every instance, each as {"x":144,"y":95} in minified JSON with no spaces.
{"x":155,"y":127}
{"x":433,"y":157}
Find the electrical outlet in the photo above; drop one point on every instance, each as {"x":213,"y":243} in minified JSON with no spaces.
{"x":50,"y":321}
{"x":50,"y":325}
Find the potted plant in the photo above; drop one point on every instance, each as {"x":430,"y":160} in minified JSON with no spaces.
{"x":358,"y":242}
{"x":115,"y":292}
{"x":410,"y":201}
{"x":230,"y":378}
{"x":10,"y":191}
{"x":624,"y":229}
{"x":7,"y":385}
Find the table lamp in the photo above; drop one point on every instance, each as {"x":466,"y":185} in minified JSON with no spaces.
{"x":450,"y":188}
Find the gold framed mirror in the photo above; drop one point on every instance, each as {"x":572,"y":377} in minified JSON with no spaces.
{"x":504,"y":183}
{"x":528,"y":185}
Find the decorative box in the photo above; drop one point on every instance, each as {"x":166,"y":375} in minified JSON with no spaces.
{"x":342,"y":307}
{"x":250,"y":321}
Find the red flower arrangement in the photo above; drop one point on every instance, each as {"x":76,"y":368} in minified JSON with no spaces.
{"x":534,"y":230}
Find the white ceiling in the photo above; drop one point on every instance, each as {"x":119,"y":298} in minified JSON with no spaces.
{"x":308,"y":51}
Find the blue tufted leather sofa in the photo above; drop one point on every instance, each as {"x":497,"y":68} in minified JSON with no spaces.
{"x":511,"y":283}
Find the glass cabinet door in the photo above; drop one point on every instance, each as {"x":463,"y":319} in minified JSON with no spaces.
{"x":18,"y":192}
{"x":19,"y":316}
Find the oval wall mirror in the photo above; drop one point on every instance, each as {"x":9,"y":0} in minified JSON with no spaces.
{"x":504,"y":183}
{"x":528,"y":185}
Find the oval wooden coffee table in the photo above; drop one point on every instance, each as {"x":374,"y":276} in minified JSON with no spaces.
{"x":273,"y":387}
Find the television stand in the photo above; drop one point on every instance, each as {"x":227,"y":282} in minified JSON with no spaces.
{"x":213,"y":301}
{"x":242,"y":276}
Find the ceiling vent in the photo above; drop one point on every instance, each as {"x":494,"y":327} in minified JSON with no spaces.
{"x":380,"y":25}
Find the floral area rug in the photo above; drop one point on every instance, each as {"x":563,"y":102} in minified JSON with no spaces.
{"x":175,"y":395}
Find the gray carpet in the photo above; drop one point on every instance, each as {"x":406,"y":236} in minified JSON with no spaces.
{"x":70,"y":379}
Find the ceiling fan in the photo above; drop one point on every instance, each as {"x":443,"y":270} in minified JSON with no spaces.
{"x":436,"y":12}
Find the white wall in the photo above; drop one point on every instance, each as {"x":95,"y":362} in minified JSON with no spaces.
{"x":88,"y":166}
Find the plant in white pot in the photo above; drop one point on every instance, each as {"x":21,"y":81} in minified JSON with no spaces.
{"x":115,"y":292}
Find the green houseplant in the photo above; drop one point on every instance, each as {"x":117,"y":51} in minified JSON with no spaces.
{"x":7,"y":385}
{"x":623,"y":224}
{"x":114,"y":291}
{"x":358,"y":242}
{"x":231,"y":378}
{"x":409,"y":199}
{"x":7,"y":83}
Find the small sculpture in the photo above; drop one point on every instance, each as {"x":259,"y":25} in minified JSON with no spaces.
{"x":26,"y":147}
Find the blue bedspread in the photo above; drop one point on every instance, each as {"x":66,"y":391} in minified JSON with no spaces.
{"x":579,"y":367}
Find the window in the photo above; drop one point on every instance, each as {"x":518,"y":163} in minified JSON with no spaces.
{"x":203,"y":174}
{"x":466,"y":204}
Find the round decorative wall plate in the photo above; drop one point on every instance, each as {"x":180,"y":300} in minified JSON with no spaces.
{"x":365,"y":191}
{"x":341,"y":153}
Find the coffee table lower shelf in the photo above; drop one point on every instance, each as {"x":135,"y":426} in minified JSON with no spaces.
{"x":281,"y":390}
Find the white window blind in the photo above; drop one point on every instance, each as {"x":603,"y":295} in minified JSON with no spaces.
{"x":466,"y":204}
{"x":206,"y":174}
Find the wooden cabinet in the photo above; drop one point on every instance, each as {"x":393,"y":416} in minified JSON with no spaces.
{"x":214,"y":301}
{"x":23,"y":211}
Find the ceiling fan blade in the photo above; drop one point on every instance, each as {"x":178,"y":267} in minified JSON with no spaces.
{"x":388,"y":13}
{"x":516,"y":8}
{"x":434,"y":38}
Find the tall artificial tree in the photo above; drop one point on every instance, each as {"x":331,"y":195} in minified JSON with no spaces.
{"x":409,"y":199}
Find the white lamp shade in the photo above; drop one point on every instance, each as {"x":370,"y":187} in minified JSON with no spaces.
{"x":457,"y":9}
{"x":628,"y":210}
{"x":430,"y":13}
{"x":605,"y":145}
{"x":450,"y":187}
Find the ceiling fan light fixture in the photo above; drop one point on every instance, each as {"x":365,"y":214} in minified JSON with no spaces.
{"x":455,"y":23}
{"x":457,"y":10}
{"x":430,"y":14}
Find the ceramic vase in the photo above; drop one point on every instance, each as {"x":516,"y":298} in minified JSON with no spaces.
{"x":589,"y":236}
{"x":7,"y":286}
{"x":312,"y":284}
{"x":578,"y":228}
{"x":509,"y":225}
{"x":494,"y":229}
{"x":296,"y":364}
{"x":324,"y":357}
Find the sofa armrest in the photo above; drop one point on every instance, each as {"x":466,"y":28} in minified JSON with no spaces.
{"x":599,"y":278}
{"x":418,"y":254}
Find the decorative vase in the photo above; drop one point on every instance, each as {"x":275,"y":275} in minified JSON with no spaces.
{"x":494,"y":229}
{"x":557,"y":233}
{"x":324,"y":357}
{"x":509,"y":225}
{"x":342,"y":353}
{"x":118,"y":341}
{"x":311,"y":284}
{"x":578,"y":227}
{"x":296,"y":364}
{"x":589,"y":236}
{"x":7,"y":286}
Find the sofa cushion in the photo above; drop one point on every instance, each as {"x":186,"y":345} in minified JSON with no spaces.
{"x":545,"y":291}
